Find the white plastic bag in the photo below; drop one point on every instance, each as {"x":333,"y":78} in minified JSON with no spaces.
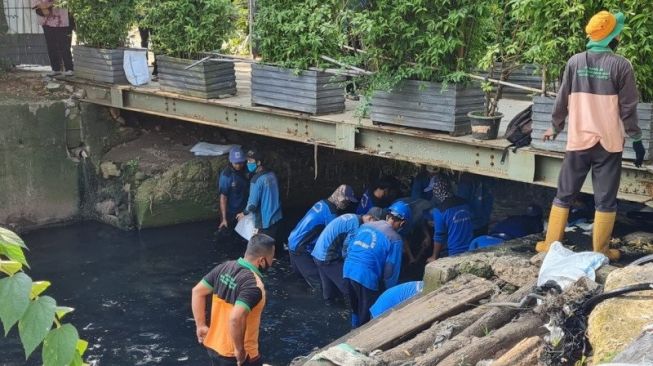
{"x":245,"y":227}
{"x":134,"y":63}
{"x":206,"y":149}
{"x":565,"y":267}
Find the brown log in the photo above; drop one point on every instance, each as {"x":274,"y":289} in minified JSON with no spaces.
{"x":438,"y":332}
{"x":504,"y":338}
{"x":409,"y":320}
{"x":493,"y":319}
{"x":525,"y":353}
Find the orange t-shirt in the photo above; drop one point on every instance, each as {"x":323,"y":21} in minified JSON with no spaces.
{"x":234,"y":283}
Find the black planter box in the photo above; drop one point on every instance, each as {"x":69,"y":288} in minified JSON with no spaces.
{"x":313,"y":92}
{"x":99,"y":64}
{"x":427,"y":105}
{"x":206,"y":80}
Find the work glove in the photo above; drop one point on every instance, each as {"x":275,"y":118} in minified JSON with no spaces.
{"x":639,"y":153}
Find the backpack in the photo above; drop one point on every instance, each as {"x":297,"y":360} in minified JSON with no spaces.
{"x":519,"y":131}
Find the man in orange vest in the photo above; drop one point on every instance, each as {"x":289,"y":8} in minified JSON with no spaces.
{"x":238,"y":298}
{"x":599,"y":97}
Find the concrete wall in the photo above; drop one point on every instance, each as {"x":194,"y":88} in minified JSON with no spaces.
{"x":38,"y":182}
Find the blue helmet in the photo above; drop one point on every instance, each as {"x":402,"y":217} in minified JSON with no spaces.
{"x":400,"y":209}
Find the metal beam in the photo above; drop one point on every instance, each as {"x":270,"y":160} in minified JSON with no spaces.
{"x":456,"y":153}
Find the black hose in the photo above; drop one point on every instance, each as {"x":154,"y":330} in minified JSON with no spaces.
{"x":592,"y":302}
{"x":643,"y":260}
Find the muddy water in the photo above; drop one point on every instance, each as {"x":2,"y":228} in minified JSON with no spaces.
{"x":131,"y":292}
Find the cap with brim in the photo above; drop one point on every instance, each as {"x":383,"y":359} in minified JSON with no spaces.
{"x":621,"y":22}
{"x":432,"y":183}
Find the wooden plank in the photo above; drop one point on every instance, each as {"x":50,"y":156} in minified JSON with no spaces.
{"x":421,"y":313}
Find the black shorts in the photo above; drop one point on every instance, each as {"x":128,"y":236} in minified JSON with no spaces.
{"x":218,"y":360}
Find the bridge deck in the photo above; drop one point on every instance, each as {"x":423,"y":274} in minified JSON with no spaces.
{"x":346,"y":131}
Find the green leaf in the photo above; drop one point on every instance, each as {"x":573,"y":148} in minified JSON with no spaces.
{"x":14,"y":253}
{"x":14,"y":299}
{"x":61,"y":311}
{"x":59,"y":347}
{"x":37,"y":288}
{"x":8,"y":237}
{"x":82,"y":345}
{"x":36,"y":322}
{"x":10,"y":267}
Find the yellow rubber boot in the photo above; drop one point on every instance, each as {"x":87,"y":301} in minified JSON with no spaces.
{"x":602,"y":233}
{"x":556,"y":229}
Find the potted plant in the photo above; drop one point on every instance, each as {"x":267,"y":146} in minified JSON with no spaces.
{"x":102,"y":30}
{"x":421,"y":53}
{"x":552,"y":42}
{"x":501,"y":58}
{"x":291,"y":36}
{"x":182,"y":32}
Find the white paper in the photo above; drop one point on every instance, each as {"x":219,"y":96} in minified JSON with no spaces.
{"x":135,"y":65}
{"x":245,"y":227}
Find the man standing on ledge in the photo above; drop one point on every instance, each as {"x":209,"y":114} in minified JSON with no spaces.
{"x":264,"y":201}
{"x":599,"y":96}
{"x":238,"y":298}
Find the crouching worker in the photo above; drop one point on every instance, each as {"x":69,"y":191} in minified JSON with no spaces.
{"x":302,"y":239}
{"x":331,"y":248}
{"x":374,"y":261}
{"x":395,"y":296}
{"x":512,"y":227}
{"x":237,"y":300}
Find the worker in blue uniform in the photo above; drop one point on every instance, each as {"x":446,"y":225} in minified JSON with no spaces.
{"x":452,"y":221}
{"x":302,"y":239}
{"x":331,"y":248}
{"x":233,"y":187}
{"x":373,"y":261}
{"x":377,"y":195}
{"x":264,"y":201}
{"x":512,"y":227}
{"x":395,"y":296}
{"x":419,"y":184}
{"x":477,"y":192}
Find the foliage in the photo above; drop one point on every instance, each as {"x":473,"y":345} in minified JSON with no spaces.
{"x":295,"y":33}
{"x":22,"y":301}
{"x":187,"y":28}
{"x":238,"y":43}
{"x":637,"y":43}
{"x":4,"y":27}
{"x":102,"y":23}
{"x":503,"y":53}
{"x":430,"y":40}
{"x":555,"y":32}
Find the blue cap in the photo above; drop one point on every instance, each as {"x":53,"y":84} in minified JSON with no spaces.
{"x":400,"y":209}
{"x":236,"y":155}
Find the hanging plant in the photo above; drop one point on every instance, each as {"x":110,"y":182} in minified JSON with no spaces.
{"x":295,"y":33}
{"x":187,"y":28}
{"x":102,"y":23}
{"x":436,"y":40}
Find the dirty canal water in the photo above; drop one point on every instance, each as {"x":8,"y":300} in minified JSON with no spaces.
{"x":131,"y":291}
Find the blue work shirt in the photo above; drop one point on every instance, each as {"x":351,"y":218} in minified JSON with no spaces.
{"x":419,"y":184}
{"x":394,"y":296}
{"x":334,"y":240}
{"x":303,"y":237}
{"x":485,"y":241}
{"x":480,"y":200}
{"x":452,"y":226}
{"x":374,"y":255}
{"x":515,"y":227}
{"x":233,"y":184}
{"x":264,"y":201}
{"x":368,"y":201}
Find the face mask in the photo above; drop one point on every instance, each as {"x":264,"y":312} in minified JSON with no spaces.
{"x":251,"y":167}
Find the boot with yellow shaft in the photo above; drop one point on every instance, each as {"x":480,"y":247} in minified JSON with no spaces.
{"x":556,"y":229}
{"x":602,"y":233}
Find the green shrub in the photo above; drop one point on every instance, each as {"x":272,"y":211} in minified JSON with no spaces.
{"x":102,"y":23}
{"x":3,"y":19}
{"x":430,"y":40}
{"x":22,"y":303}
{"x":187,"y":28}
{"x":294,"y":33}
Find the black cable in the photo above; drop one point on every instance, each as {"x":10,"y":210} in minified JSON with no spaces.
{"x":592,"y":302}
{"x":643,"y":260}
